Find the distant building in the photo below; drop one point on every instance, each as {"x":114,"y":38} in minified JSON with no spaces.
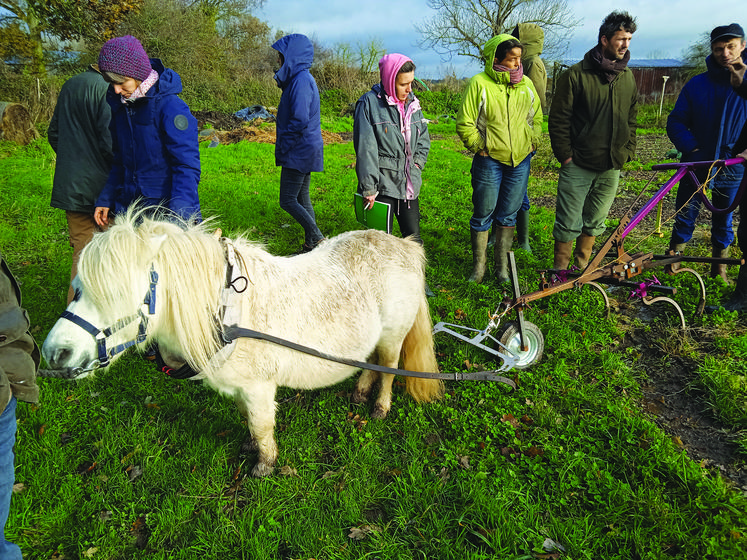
{"x":649,"y":76}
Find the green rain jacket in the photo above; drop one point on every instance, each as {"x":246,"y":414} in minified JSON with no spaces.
{"x":502,"y":119}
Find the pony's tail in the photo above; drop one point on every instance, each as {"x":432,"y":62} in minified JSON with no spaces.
{"x":418,"y":354}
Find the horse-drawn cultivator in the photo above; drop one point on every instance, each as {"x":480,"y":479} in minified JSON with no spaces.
{"x":519,"y":343}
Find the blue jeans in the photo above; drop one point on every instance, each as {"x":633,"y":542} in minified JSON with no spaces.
{"x":295,"y":199}
{"x":498,"y":191}
{"x":724,"y":187}
{"x":8,"y":550}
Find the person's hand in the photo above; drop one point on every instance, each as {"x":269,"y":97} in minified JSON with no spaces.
{"x":369,"y":201}
{"x":743,"y":155}
{"x":567,"y":161}
{"x":737,"y":69}
{"x":101,"y":216}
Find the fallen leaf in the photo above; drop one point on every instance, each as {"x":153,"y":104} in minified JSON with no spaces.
{"x":134,"y":471}
{"x":289,"y":471}
{"x":90,"y":552}
{"x":19,"y":487}
{"x":464,"y":461}
{"x":510,"y":419}
{"x":360,"y":533}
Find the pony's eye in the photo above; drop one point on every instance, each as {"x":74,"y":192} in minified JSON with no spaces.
{"x":77,"y":294}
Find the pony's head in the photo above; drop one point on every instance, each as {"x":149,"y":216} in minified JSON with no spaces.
{"x":136,"y":281}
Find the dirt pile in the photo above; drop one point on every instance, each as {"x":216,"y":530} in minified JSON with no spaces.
{"x":228,"y":129}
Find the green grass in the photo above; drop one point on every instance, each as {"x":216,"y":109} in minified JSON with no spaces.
{"x":129,"y":464}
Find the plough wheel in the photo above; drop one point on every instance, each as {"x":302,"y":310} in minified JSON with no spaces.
{"x":511,"y":339}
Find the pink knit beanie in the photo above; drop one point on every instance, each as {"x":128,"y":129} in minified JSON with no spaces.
{"x":125,"y":56}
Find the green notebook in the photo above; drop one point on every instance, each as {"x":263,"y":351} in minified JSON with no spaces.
{"x":378,"y":217}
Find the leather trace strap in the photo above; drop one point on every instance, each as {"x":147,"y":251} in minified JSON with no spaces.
{"x":233,"y":332}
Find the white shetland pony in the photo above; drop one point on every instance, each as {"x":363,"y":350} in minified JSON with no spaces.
{"x":359,"y":295}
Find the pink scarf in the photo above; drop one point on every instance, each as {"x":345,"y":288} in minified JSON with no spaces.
{"x":514,"y":74}
{"x":143,"y":88}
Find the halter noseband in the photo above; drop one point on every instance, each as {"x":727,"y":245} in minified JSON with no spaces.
{"x":101,"y":335}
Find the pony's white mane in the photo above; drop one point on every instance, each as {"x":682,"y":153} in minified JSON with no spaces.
{"x":191,"y":267}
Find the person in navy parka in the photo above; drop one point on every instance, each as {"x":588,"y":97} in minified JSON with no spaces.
{"x":154,"y":135}
{"x":705,"y":125}
{"x":299,"y":147}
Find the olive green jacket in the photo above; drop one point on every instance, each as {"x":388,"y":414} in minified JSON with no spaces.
{"x":532,"y":37}
{"x":592,"y":120}
{"x":19,"y":354}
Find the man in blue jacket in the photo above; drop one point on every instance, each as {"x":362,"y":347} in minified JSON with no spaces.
{"x":299,"y":147}
{"x":704,"y":126}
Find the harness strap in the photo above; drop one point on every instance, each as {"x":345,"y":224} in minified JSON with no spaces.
{"x":233,"y":332}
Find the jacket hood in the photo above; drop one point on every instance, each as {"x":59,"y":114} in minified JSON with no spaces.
{"x":169,"y":82}
{"x":298,"y":55}
{"x":389,"y":65}
{"x":532,"y":37}
{"x":488,"y":53}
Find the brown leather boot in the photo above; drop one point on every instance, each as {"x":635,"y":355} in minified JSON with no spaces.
{"x":504,"y":238}
{"x":719,"y":269}
{"x":562,"y":254}
{"x":479,"y":241}
{"x":582,"y":252}
{"x":678,"y":248}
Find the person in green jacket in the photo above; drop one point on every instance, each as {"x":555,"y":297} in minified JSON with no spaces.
{"x":500,"y":121}
{"x":592,"y":125}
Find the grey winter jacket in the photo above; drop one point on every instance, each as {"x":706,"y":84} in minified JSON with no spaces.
{"x":380,"y":145}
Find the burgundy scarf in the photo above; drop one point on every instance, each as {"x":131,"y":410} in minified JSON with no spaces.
{"x":608,"y":68}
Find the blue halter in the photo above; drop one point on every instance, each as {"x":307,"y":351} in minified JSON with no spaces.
{"x":101,"y":335}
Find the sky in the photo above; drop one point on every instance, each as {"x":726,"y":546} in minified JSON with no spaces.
{"x":665,"y":28}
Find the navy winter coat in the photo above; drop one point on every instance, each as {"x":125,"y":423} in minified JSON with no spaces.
{"x":156,"y":150}
{"x":708,"y":115}
{"x":299,"y":143}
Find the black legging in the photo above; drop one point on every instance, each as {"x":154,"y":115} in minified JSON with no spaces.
{"x":407,"y":213}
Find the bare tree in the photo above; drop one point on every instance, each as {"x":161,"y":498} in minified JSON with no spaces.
{"x":462,"y":27}
{"x":695,"y":54}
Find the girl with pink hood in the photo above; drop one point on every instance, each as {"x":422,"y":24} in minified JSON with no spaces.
{"x":391,"y":140}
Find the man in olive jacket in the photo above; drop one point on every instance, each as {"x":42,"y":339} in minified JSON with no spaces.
{"x":592,"y":126}
{"x":19,"y":361}
{"x":79,"y":134}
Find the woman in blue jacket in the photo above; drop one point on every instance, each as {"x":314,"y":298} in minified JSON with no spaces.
{"x":299,"y":147}
{"x":154,"y":135}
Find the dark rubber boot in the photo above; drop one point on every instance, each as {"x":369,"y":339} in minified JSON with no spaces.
{"x":522,"y":230}
{"x":479,"y":241}
{"x":504,"y":238}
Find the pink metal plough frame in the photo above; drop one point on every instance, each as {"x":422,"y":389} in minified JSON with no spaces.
{"x":521,"y":342}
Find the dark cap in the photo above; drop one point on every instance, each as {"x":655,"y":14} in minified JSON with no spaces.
{"x":725,"y":32}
